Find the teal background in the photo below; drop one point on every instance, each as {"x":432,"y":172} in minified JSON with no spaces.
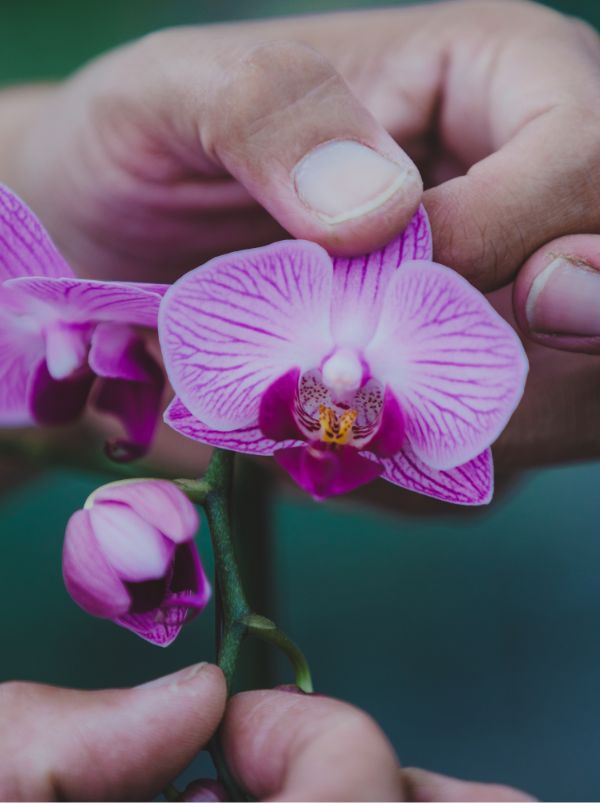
{"x":473,"y":639}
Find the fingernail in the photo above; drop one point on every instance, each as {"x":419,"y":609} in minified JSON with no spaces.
{"x":564,"y":299}
{"x":176,"y":678}
{"x":343,"y":179}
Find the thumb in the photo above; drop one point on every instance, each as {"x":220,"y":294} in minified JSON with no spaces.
{"x":280,"y":119}
{"x":122,"y":744}
{"x":557,"y":294}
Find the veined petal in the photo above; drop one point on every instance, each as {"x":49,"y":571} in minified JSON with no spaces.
{"x":156,"y":501}
{"x":86,"y":300}
{"x":25,"y":247}
{"x":21,"y":352}
{"x":324,"y":472}
{"x":88,"y":576}
{"x":360,"y":283}
{"x":231,"y":327}
{"x":469,"y":484}
{"x":457,"y":368}
{"x":249,"y":440}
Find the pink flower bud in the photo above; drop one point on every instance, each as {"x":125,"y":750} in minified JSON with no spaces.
{"x":130,"y":556}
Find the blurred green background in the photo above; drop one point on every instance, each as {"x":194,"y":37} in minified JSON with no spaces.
{"x":474,"y":639}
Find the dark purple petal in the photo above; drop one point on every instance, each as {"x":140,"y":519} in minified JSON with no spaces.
{"x":54,"y":402}
{"x":231,"y":327}
{"x":323,"y":471}
{"x":188,"y":593}
{"x":390,"y":434}
{"x":114,"y":353}
{"x":86,"y":300}
{"x":275,"y":417}
{"x":89,"y":578}
{"x":469,"y":484}
{"x":137,"y":405}
{"x":159,"y":502}
{"x":249,"y":440}
{"x":457,"y":368}
{"x":25,"y":247}
{"x":359,"y":283}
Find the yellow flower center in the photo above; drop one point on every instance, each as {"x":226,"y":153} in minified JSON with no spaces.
{"x":336,"y":429}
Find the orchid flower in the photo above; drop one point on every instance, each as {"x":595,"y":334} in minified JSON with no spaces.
{"x":343,"y":369}
{"x":59,"y":333}
{"x":130,"y":556}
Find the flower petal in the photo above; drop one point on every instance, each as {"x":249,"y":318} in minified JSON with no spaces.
{"x":54,"y":402}
{"x":188,"y":594}
{"x":113,"y":353}
{"x":89,"y":578}
{"x":132,"y":546}
{"x":231,"y":327}
{"x":324,"y":472}
{"x":25,"y":247}
{"x":456,"y":367}
{"x":276,"y":418}
{"x":66,"y":348}
{"x":156,"y":501}
{"x":469,"y":484}
{"x":249,"y":440}
{"x":86,"y":300}
{"x":21,"y":352}
{"x":360,"y":283}
{"x":390,"y":435}
{"x":135,"y":402}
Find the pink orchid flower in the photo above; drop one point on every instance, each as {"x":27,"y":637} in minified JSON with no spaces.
{"x":130,"y":556}
{"x":344,"y":369}
{"x":59,"y":333}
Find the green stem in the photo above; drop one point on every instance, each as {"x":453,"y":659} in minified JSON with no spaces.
{"x":267,"y":630}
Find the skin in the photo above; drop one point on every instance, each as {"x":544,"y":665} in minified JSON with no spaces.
{"x":127,"y":744}
{"x":184,"y":145}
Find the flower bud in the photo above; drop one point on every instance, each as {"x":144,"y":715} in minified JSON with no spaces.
{"x":130,"y":556}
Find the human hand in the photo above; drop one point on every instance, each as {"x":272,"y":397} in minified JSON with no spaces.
{"x":166,"y":151}
{"x":127,"y":744}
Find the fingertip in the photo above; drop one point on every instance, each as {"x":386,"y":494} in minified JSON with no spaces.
{"x":423,"y":786}
{"x":556,"y":296}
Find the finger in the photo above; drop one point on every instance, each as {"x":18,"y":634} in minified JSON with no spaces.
{"x":557,"y":294}
{"x":487,"y":223}
{"x":279,"y":118}
{"x":286,"y":746}
{"x":123,"y":744}
{"x":429,"y":786}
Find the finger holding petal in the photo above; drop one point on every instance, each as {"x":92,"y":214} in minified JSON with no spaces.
{"x":360,"y":283}
{"x":89,"y":300}
{"x":469,"y":484}
{"x":457,"y":368}
{"x":233,"y":326}
{"x":25,"y":247}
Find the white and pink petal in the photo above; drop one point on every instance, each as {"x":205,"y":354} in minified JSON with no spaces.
{"x":457,"y":368}
{"x":25,"y":247}
{"x":360,"y":283}
{"x":229,"y":329}
{"x":469,"y":484}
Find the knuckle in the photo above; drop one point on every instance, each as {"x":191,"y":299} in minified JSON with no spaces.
{"x":264,"y":82}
